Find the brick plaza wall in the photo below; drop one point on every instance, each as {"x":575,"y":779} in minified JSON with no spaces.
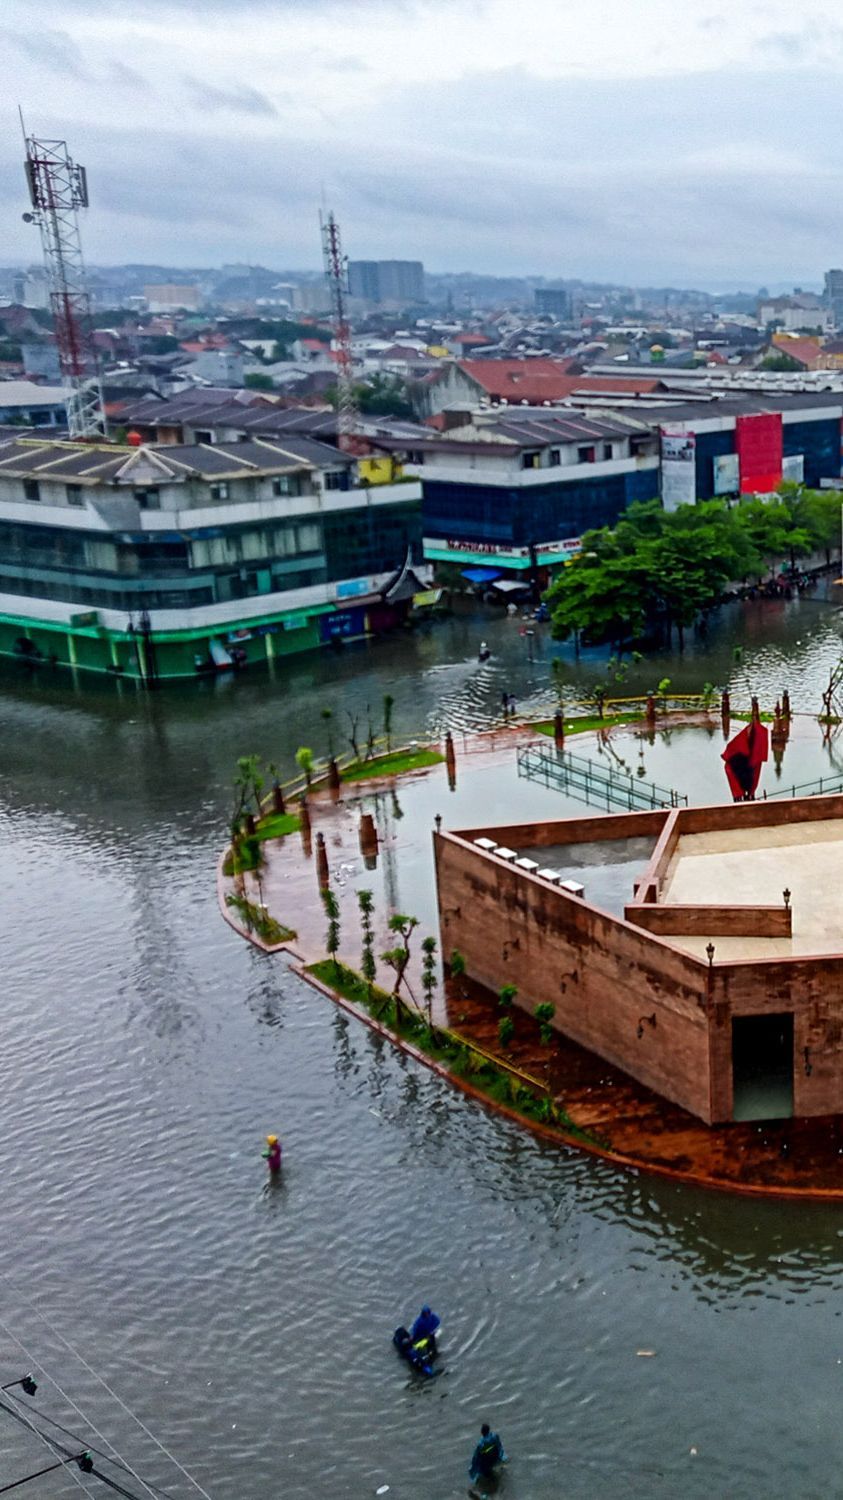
{"x":602,"y":974}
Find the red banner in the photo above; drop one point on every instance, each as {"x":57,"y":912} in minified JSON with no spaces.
{"x":759,"y":444}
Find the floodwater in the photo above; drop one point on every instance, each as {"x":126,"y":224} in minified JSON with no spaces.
{"x":628,"y":1337}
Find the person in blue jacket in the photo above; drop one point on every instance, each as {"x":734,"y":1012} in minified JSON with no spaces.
{"x":426,"y":1325}
{"x":487,"y":1455}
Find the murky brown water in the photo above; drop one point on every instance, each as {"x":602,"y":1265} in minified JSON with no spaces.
{"x":146,"y":1051}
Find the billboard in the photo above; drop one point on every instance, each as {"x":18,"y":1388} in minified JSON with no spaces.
{"x":758,"y":440}
{"x":793,"y":467}
{"x":726,"y":474}
{"x":679,"y":468}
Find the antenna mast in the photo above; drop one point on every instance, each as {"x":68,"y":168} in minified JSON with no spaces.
{"x":336,"y":275}
{"x":58,"y":188}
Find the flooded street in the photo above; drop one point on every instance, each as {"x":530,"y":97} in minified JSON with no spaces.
{"x":628,"y":1337}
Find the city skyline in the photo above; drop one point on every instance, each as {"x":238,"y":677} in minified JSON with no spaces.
{"x":639,"y":144}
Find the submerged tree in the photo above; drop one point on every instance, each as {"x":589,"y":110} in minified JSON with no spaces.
{"x":388,"y":702}
{"x":248,"y":784}
{"x":304,"y":761}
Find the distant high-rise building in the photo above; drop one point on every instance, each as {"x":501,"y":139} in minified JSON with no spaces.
{"x":386,"y":280}
{"x":834,"y":296}
{"x":554,"y":302}
{"x":363,"y":280}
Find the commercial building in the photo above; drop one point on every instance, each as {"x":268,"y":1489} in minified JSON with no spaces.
{"x":513,"y":491}
{"x":22,"y":402}
{"x":697,"y":949}
{"x":166,"y":561}
{"x":740,"y":445}
{"x":172,"y":297}
{"x":397,"y":281}
{"x":834,"y":296}
{"x":553,"y":302}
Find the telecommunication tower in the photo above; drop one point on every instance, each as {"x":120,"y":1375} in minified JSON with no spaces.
{"x":336,"y":275}
{"x":58,"y":188}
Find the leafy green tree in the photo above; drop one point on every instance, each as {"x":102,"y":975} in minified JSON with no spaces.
{"x":544,"y":1014}
{"x":368,"y":966}
{"x":506,"y":1030}
{"x":248,"y":783}
{"x":332,"y":936}
{"x":398,"y":958}
{"x":304,"y":761}
{"x":429,"y":975}
{"x":256,"y":381}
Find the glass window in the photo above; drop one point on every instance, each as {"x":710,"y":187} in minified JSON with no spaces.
{"x":283,"y":485}
{"x":530,"y":460}
{"x":73,"y":494}
{"x":555,"y":458}
{"x":148,"y":499}
{"x":31,"y":489}
{"x":219,"y":491}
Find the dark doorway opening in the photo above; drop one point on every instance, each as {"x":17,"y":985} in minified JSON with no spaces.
{"x":762,"y":1067}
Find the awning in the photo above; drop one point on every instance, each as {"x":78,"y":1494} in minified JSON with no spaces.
{"x":481,"y":575}
{"x":508,"y":585}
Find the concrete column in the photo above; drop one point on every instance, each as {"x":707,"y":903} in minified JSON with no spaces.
{"x":71,"y":650}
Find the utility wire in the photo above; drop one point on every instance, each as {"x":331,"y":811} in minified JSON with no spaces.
{"x":31,"y":1357}
{"x":111,"y":1392}
{"x":68,"y":1454}
{"x":41,"y":1416}
{"x":54,"y":1448}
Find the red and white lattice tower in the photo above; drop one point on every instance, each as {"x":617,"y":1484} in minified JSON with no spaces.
{"x":336,"y":275}
{"x":58,"y":188}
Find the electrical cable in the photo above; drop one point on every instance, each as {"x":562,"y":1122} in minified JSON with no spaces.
{"x":69,"y":1399}
{"x":39,"y":1416}
{"x":54,"y":1448}
{"x":69,"y":1453}
{"x":151,"y":1435}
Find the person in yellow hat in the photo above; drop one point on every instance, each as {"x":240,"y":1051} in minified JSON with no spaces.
{"x":272,"y":1154}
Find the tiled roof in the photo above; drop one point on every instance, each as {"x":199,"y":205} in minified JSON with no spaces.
{"x":103,"y":463}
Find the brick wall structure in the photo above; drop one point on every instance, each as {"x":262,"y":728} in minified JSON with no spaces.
{"x":662,"y":1014}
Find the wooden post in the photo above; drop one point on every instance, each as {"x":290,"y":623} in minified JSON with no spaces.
{"x":650,"y":711}
{"x":333,"y":775}
{"x":277,"y":794}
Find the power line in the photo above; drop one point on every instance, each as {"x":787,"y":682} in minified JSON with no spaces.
{"x":50,"y":1469}
{"x":41,"y":1416}
{"x":58,"y":1447}
{"x":151,"y":1435}
{"x":52,"y":1447}
{"x":76,"y":1408}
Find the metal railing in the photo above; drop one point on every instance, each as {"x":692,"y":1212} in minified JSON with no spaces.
{"x":591,"y":783}
{"x":824,"y":786}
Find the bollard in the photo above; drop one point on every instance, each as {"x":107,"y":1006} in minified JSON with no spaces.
{"x":368,"y":836}
{"x":450,"y":760}
{"x":559,"y":730}
{"x":323,"y":874}
{"x":333,"y":775}
{"x":277,"y":794}
{"x":650,"y":711}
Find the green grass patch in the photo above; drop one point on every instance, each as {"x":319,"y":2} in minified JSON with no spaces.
{"x":587,"y":725}
{"x":256,"y":919}
{"x":392,"y":765}
{"x":275,"y":825}
{"x":496,"y":1083}
{"x":249,"y":855}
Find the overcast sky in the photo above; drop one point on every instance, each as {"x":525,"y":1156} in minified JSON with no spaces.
{"x":687,"y":142}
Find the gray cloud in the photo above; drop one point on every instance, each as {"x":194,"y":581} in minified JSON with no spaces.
{"x":693,"y":179}
{"x":239,"y":99}
{"x":56,"y":51}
